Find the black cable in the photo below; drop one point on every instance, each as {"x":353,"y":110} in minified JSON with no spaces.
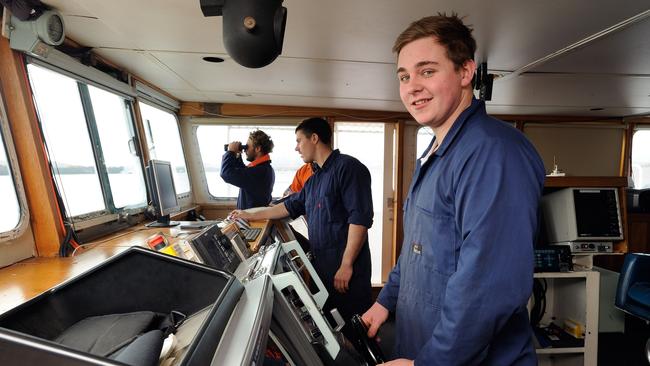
{"x":63,"y":246}
{"x":539,"y":302}
{"x":70,"y":233}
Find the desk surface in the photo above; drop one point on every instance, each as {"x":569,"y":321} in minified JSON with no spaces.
{"x":24,"y":280}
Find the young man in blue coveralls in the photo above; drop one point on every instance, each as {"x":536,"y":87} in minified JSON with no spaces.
{"x":338,"y":204}
{"x":256,"y":180}
{"x":465,"y":273}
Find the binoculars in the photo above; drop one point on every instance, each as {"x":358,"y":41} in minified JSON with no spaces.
{"x":241,"y":147}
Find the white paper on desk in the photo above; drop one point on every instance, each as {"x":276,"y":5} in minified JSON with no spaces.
{"x":300,"y":226}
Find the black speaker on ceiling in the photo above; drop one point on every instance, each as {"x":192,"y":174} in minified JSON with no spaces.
{"x":253,"y":30}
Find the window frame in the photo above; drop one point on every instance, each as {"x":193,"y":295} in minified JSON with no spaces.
{"x":12,"y":161}
{"x":115,"y":87}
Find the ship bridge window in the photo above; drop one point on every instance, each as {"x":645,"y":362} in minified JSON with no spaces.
{"x":164,"y":143}
{"x":16,"y":240}
{"x":284,"y":159}
{"x":353,"y":138}
{"x":90,"y":140}
{"x":10,"y":209}
{"x":641,"y":158}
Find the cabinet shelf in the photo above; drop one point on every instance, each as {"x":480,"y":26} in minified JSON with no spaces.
{"x":575,"y":274}
{"x":548,"y":351}
{"x":571,"y":296}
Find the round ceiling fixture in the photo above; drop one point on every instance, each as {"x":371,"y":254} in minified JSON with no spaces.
{"x":50,"y":28}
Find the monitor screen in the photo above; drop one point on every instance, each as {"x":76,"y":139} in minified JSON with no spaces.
{"x":597,"y":213}
{"x":163,"y":192}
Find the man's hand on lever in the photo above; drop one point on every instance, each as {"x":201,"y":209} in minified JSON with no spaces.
{"x":374,"y":318}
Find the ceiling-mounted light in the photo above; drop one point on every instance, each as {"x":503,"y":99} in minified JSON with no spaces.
{"x":253,"y":30}
{"x":37,"y":36}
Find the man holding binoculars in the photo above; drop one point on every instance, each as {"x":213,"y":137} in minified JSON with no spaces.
{"x":256,"y":180}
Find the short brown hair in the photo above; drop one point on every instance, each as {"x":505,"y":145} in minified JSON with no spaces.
{"x":316,"y":125}
{"x":262,"y":140}
{"x":449,"y":31}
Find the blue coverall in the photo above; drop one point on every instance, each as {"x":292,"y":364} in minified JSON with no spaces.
{"x":337,"y":195}
{"x":465,"y":272}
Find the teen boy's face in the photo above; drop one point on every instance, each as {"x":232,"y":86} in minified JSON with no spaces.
{"x":430,"y":86}
{"x":305,"y":147}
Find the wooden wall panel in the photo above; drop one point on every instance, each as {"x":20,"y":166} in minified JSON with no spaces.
{"x":580,"y":150}
{"x":198,"y":109}
{"x":44,"y":215}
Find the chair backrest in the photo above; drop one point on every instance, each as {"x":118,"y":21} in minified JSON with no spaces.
{"x":633,"y":290}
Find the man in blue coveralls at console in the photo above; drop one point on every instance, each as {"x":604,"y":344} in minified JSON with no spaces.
{"x":465,"y":273}
{"x":256,"y":180}
{"x":338,"y":204}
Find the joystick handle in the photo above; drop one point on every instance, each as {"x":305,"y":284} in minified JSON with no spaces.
{"x":368,"y":347}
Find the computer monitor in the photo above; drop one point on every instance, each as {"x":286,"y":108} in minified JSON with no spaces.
{"x":583,"y":215}
{"x":163,"y":192}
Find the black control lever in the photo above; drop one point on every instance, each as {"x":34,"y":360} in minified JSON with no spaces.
{"x":368,"y":347}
